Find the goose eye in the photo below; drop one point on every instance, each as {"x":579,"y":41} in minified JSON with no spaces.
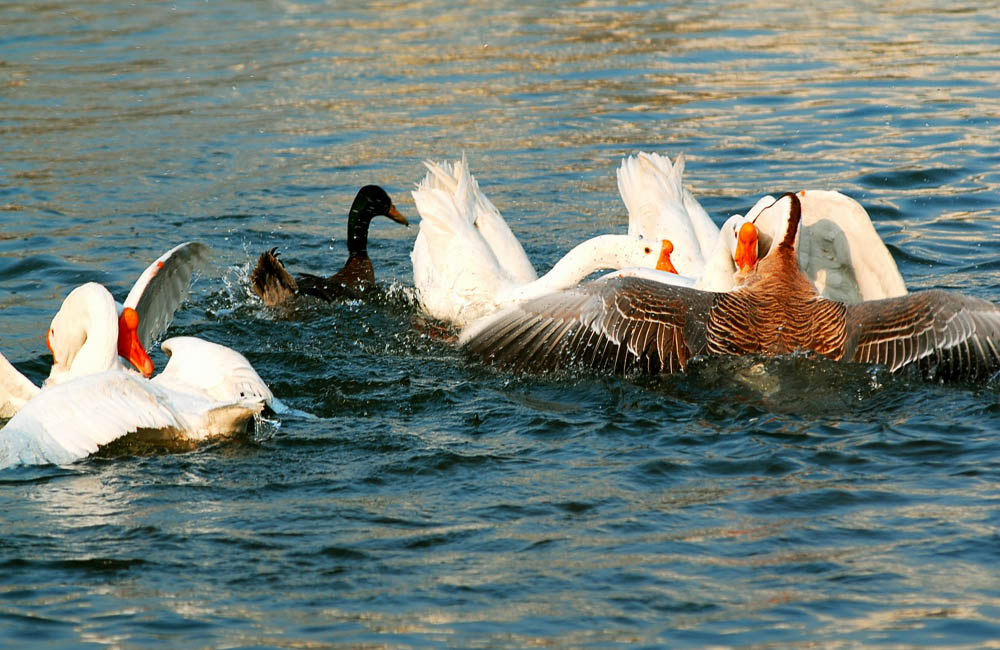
{"x":648,"y":251}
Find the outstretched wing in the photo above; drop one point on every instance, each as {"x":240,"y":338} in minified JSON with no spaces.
{"x":69,"y":421}
{"x":652,"y":190}
{"x":618,"y":324}
{"x":948,"y":335}
{"x":163,"y":286}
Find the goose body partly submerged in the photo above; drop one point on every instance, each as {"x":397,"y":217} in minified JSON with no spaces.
{"x":91,"y":398}
{"x":625,"y":324}
{"x":275,"y":285}
{"x":143,"y":317}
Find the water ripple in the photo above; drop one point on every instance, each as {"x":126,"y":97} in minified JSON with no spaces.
{"x":433,"y":502}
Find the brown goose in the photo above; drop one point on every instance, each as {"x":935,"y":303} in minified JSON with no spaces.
{"x":275,"y":285}
{"x":626,"y":324}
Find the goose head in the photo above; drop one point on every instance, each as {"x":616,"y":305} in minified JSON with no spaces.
{"x":87,"y":336}
{"x":627,"y":251}
{"x":370,"y":202}
{"x":732,"y":258}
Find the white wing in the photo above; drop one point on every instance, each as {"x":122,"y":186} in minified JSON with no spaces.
{"x":15,"y":389}
{"x":652,"y":190}
{"x":840,"y":251}
{"x":455,"y":271}
{"x":662,"y":277}
{"x":497,"y":233}
{"x":69,"y":421}
{"x":456,"y":180}
{"x":163,"y":286}
{"x":704,"y":228}
{"x":212,"y":371}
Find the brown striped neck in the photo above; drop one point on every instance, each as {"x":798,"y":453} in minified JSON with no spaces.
{"x":792,"y":223}
{"x":780,"y":267}
{"x":785,"y":257}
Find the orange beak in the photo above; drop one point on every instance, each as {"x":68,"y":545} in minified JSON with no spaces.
{"x":396,"y":216}
{"x":129,"y":345}
{"x":746,"y":248}
{"x":664,"y":263}
{"x":48,"y":344}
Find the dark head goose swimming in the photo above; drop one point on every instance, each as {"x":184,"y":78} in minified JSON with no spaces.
{"x":275,"y":285}
{"x":627,"y":324}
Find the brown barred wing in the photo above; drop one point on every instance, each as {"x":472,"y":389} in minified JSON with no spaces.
{"x":947,"y":335}
{"x":618,"y":324}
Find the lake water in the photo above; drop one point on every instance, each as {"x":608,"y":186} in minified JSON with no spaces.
{"x":431,"y":501}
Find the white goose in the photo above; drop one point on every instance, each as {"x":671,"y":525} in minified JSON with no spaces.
{"x":838,"y":248}
{"x":143,"y":317}
{"x":467,"y":262}
{"x":205,"y":390}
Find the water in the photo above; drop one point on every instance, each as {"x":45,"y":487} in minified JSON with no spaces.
{"x":433,"y":502}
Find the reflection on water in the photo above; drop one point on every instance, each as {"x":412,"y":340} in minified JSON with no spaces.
{"x":793,"y":502}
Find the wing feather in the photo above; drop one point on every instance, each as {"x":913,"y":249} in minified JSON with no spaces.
{"x":213,"y":371}
{"x":616,"y":324}
{"x":163,"y":286}
{"x":948,"y":335}
{"x":68,"y":421}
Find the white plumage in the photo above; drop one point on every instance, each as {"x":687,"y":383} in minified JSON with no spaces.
{"x":91,"y":398}
{"x":838,"y":248}
{"x":467,"y":262}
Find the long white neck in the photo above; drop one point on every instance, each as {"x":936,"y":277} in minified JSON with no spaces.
{"x":84,"y":334}
{"x":719,"y":273}
{"x":602,"y":252}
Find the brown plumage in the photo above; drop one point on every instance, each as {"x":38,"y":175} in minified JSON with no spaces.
{"x":777,"y":310}
{"x":275,"y":285}
{"x":623,"y":324}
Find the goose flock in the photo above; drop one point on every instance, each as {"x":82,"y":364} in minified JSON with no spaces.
{"x":805,"y":272}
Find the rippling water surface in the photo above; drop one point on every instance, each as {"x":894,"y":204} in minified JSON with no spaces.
{"x":434,"y":502}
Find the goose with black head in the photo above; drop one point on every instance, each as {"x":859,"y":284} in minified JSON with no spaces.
{"x":275,"y":285}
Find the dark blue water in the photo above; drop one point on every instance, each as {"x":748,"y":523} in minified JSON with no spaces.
{"x":433,"y":502}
